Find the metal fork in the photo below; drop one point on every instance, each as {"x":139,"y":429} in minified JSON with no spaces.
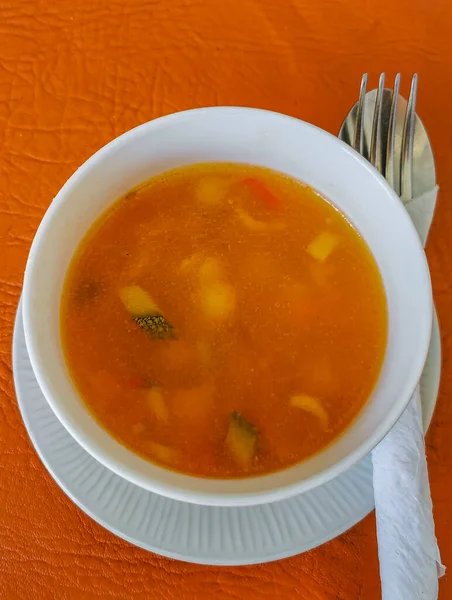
{"x":373,"y":128}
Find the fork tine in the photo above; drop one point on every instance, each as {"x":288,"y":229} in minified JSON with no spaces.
{"x":390,"y":148}
{"x":406,"y":165}
{"x":358,"y":142}
{"x":375,"y":140}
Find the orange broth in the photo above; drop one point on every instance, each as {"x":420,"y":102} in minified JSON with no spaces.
{"x":224,"y":320}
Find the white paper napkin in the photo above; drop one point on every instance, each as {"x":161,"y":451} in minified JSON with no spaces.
{"x":410,"y":562}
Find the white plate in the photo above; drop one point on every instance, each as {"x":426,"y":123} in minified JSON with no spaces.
{"x":201,"y":534}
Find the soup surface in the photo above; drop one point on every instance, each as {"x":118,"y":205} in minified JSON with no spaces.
{"x":224,"y":320}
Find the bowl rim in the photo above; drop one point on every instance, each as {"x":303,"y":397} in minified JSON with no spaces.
{"x":179,"y":492}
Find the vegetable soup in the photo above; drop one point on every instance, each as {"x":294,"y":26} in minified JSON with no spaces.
{"x":224,"y":320}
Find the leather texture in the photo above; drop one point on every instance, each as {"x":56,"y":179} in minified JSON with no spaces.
{"x":76,"y":73}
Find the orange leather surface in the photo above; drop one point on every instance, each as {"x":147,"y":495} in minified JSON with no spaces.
{"x":76,"y":73}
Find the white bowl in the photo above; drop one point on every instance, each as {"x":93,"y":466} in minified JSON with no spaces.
{"x":261,"y":138}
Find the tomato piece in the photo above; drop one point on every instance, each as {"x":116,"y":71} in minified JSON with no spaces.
{"x":265,"y":195}
{"x":136,"y":382}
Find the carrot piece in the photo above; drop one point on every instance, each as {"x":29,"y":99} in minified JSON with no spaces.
{"x":265,"y":195}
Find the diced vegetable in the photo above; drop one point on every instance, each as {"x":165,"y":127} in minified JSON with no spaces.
{"x":162,"y":453}
{"x":145,"y":312}
{"x":312,"y":405}
{"x":322,"y":245}
{"x":218,"y":300}
{"x":157,"y":404}
{"x":241,"y":440}
{"x":211,"y":191}
{"x":210,"y":270}
{"x":250,"y":222}
{"x":157,"y":326}
{"x":254,"y":224}
{"x":137,"y":301}
{"x":217,"y":296}
{"x":261,"y":192}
